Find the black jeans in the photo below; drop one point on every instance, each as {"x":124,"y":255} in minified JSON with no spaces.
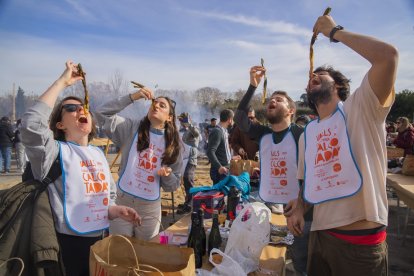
{"x":215,"y":176}
{"x":75,"y":253}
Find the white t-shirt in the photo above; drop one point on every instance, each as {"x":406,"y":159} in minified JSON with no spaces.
{"x":365,"y":119}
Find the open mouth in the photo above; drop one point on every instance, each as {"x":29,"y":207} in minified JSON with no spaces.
{"x":271,"y":106}
{"x":315,"y":81}
{"x":83,"y":120}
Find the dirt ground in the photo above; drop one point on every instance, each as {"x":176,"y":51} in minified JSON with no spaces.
{"x":401,"y":257}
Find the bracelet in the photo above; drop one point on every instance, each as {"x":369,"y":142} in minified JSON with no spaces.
{"x":333,"y":31}
{"x":130,"y":97}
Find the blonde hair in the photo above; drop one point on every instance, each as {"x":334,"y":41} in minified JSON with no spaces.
{"x":404,"y":123}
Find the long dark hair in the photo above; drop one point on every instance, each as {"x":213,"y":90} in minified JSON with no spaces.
{"x":172,"y":138}
{"x":56,"y":117}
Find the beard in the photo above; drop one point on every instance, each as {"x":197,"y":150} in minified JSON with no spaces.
{"x":275,"y":118}
{"x":320,"y":96}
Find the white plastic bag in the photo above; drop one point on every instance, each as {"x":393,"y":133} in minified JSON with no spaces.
{"x":249,"y":233}
{"x":227,"y":267}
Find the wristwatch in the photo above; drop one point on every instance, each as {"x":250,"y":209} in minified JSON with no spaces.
{"x":333,"y":31}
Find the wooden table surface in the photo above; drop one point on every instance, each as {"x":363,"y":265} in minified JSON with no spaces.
{"x":403,"y":186}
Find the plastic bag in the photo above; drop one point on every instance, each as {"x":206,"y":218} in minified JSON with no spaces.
{"x":227,"y":267}
{"x":249,"y":234}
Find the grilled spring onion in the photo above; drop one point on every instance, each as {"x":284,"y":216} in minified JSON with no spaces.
{"x":138,"y":85}
{"x":86,"y":101}
{"x":327,"y":11}
{"x":264,"y":84}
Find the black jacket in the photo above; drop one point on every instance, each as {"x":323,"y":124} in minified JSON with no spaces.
{"x":6,"y":135}
{"x":27,"y":228}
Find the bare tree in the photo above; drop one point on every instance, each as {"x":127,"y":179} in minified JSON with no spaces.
{"x":117,"y":83}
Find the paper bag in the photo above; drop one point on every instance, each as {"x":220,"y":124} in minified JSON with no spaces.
{"x":118,"y":255}
{"x":239,"y":166}
{"x":408,"y":165}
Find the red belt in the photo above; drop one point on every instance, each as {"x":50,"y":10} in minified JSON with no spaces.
{"x":358,"y":236}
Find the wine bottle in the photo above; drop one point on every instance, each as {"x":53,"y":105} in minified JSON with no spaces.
{"x":214,"y":240}
{"x":202,"y":232}
{"x":195,"y":241}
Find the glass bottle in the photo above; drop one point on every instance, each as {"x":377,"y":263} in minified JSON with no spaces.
{"x":233,"y":199}
{"x":202,"y":232}
{"x":214,"y":239}
{"x":194,"y":240}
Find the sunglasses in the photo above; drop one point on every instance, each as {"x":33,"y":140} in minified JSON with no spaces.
{"x":72,"y":107}
{"x":251,"y":118}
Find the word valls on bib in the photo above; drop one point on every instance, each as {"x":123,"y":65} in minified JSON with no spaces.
{"x":278,"y":168}
{"x":140,"y":178}
{"x":86,"y":179}
{"x":330,"y":169}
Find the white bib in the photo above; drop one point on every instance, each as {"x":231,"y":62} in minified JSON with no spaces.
{"x":140,"y":177}
{"x":330,"y":169}
{"x":86,"y":179}
{"x":278,"y":168}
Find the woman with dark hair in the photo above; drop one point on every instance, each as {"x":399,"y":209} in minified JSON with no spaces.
{"x":151,"y":159}
{"x":405,"y":137}
{"x":82,"y":199}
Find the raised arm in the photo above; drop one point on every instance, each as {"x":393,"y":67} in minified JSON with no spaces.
{"x":254,"y":131}
{"x":116,"y":126}
{"x":41,"y":148}
{"x":68,"y":77}
{"x":382,"y":56}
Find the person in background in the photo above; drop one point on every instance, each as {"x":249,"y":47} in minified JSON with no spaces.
{"x":81,"y":212}
{"x":218,"y":151}
{"x":241,"y":142}
{"x":203,"y":141}
{"x":20,"y":152}
{"x":391,"y":127}
{"x":302,"y":120}
{"x":209,"y":128}
{"x":191,"y":138}
{"x":6,"y":144}
{"x":152,"y":158}
{"x":342,"y":159}
{"x":405,"y":137}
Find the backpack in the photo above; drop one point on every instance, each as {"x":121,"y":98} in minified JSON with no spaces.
{"x":53,"y":174}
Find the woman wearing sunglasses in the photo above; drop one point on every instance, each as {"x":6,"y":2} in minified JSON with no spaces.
{"x":82,"y":199}
{"x":151,"y":158}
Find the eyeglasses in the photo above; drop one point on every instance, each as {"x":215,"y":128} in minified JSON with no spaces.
{"x":251,"y":118}
{"x":72,"y":107}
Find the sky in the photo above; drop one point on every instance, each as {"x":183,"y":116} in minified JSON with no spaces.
{"x":191,"y":44}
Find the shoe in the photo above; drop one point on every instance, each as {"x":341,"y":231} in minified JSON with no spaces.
{"x":185,"y":210}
